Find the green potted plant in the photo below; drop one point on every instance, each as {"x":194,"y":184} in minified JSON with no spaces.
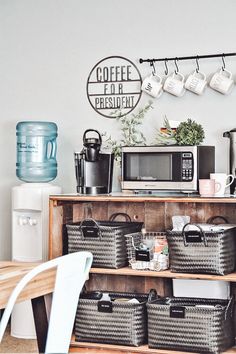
{"x":131,"y":134}
{"x":187,"y":133}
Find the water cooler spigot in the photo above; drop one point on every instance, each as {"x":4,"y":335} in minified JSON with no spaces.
{"x":26,"y":220}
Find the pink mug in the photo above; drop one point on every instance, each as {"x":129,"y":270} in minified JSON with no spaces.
{"x":208,"y":187}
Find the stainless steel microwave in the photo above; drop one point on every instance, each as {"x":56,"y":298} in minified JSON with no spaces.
{"x":166,"y":168}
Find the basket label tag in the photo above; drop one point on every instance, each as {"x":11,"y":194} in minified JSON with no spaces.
{"x":90,"y":231}
{"x":105,"y":306}
{"x":142,"y":255}
{"x":177,"y":311}
{"x":193,"y":237}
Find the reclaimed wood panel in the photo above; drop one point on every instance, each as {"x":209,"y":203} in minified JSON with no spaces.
{"x":97,"y":282}
{"x":213,"y":210}
{"x":84,"y":210}
{"x":157,"y":213}
{"x":194,"y":211}
{"x":155,"y":216}
{"x":117,"y":207}
{"x":162,"y":274}
{"x":172,"y":209}
{"x":159,"y":285}
{"x":136,"y":211}
{"x":230,"y":213}
{"x":124,"y":283}
{"x":130,"y":197}
{"x":81,"y":211}
{"x":55,"y":248}
{"x":110,"y":348}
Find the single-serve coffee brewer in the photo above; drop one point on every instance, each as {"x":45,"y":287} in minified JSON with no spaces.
{"x":93,"y":168}
{"x":232,"y":156}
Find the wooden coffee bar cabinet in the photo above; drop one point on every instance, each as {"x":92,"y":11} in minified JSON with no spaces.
{"x":156,"y":213}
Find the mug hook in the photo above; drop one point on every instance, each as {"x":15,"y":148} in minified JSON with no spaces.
{"x":197,"y":59}
{"x":153,"y":67}
{"x":166,"y":67}
{"x":223,"y":60}
{"x":177,"y":69}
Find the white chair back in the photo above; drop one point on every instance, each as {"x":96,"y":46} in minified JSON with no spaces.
{"x":72,"y":272}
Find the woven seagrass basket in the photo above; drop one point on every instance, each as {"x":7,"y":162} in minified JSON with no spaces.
{"x":198,"y":251}
{"x":126,"y":324}
{"x":105,"y":239}
{"x":190,"y":324}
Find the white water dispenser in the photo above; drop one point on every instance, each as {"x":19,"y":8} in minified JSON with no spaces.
{"x":30,"y":230}
{"x":36,"y":164}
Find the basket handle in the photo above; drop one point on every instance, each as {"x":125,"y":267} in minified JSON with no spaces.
{"x":94,"y":226}
{"x":201,"y":233}
{"x":152,"y":295}
{"x":212,"y":218}
{"x":229,"y":308}
{"x":114,"y":216}
{"x":134,"y":247}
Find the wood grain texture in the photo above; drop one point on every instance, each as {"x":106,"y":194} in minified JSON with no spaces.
{"x":12,"y":272}
{"x":55,"y":248}
{"x":162,"y":274}
{"x":157,"y":213}
{"x":155,"y":216}
{"x":115,"y":207}
{"x":128,"y":350}
{"x":122,"y":197}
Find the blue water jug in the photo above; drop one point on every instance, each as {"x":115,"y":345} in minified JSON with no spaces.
{"x":36,"y":151}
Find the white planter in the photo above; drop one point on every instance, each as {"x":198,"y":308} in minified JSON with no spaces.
{"x":116,"y":183}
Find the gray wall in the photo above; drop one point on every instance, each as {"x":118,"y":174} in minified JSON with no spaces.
{"x":48,"y":48}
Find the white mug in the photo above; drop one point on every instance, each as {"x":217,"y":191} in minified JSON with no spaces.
{"x":196,"y":82}
{"x":174,"y":84}
{"x":222,"y":81}
{"x":152,"y":85}
{"x":221,"y":178}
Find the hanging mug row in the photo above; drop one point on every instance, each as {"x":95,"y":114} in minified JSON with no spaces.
{"x":175,"y":84}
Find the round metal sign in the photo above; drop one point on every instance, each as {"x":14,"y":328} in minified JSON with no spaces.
{"x":114,"y":86}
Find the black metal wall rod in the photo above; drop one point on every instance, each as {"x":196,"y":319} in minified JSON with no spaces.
{"x":188,"y":58}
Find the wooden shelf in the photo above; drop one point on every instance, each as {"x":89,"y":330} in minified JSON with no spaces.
{"x":162,"y":274}
{"x":143,"y":349}
{"x":129,"y":197}
{"x":156,"y":213}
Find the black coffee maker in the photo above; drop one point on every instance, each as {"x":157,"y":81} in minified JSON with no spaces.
{"x":93,"y":168}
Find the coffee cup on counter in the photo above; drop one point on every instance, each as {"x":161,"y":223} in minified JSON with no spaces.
{"x":152,"y":85}
{"x":208,"y":187}
{"x":221,"y":179}
{"x":196,"y":82}
{"x":174,"y":84}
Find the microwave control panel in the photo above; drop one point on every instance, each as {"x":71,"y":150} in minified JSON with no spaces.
{"x":187,"y":166}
